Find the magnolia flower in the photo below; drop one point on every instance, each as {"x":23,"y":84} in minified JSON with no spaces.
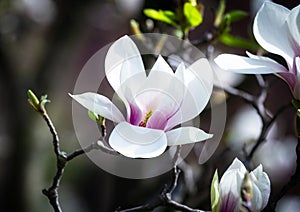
{"x":277,"y":30}
{"x":155,"y":104}
{"x":228,"y":190}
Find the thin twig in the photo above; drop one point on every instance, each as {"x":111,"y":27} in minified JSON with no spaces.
{"x":99,"y":145}
{"x":258,"y":104}
{"x":164,"y":199}
{"x":62,"y":159}
{"x":295,"y":178}
{"x":53,"y":132}
{"x":265,"y":129}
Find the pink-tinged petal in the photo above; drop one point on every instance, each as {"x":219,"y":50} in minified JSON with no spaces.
{"x":246,"y":65}
{"x":100,"y":105}
{"x":230,"y":185}
{"x":198,"y":80}
{"x":177,"y":118}
{"x":137,"y":142}
{"x":161,"y":65}
{"x":262,"y":181}
{"x":135,"y":115}
{"x":186,"y":135}
{"x":289,"y":78}
{"x":293,"y":22}
{"x":158,"y":120}
{"x":123,"y":61}
{"x":271,"y":31}
{"x":297,"y":84}
{"x":161,"y":92}
{"x":128,"y":91}
{"x":229,"y":202}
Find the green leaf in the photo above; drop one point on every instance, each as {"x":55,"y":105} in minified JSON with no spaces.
{"x":93,"y":116}
{"x":44,"y":99}
{"x":215,"y":193}
{"x":239,"y":42}
{"x":32,"y":97}
{"x":192,"y":15}
{"x":235,"y":15}
{"x":33,"y":100}
{"x":296,"y":103}
{"x":220,"y":13}
{"x":166,"y":16}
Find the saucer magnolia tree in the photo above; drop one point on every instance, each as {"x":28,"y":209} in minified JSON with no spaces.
{"x":155,"y":104}
{"x":277,"y":30}
{"x":159,"y":103}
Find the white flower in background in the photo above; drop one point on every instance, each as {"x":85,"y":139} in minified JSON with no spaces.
{"x":277,"y":30}
{"x":227,"y":193}
{"x":155,"y":104}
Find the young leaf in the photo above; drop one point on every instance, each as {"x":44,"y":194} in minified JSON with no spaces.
{"x":193,"y":2}
{"x":192,"y":15}
{"x":234,"y":41}
{"x":166,"y":16}
{"x":296,"y":103}
{"x":236,"y":15}
{"x":93,"y":116}
{"x":215,"y":193}
{"x":32,"y":97}
{"x":33,"y":100}
{"x":220,"y":13}
{"x":44,"y":99}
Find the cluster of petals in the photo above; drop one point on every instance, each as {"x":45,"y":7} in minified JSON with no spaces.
{"x":230,"y":188}
{"x":277,"y":30}
{"x":156,"y":104}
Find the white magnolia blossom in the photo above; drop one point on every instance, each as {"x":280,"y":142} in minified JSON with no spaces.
{"x":155,"y":104}
{"x":230,"y":187}
{"x":277,"y":30}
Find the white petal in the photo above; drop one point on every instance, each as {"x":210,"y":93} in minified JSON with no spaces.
{"x":198,"y":79}
{"x":237,"y":165}
{"x":123,"y":61}
{"x":186,"y":135}
{"x":137,"y":142}
{"x":271,"y":31}
{"x":297,"y":61}
{"x":256,"y":201}
{"x":200,"y":86}
{"x":245,"y":65}
{"x":293,"y":22}
{"x":262,"y":181}
{"x":161,"y":65}
{"x":100,"y":105}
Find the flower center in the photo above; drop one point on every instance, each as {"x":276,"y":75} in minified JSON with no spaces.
{"x":147,"y":116}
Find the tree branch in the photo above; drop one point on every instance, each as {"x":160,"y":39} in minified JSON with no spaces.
{"x":52,"y":192}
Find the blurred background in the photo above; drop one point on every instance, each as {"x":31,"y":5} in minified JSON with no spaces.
{"x":43,"y":46}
